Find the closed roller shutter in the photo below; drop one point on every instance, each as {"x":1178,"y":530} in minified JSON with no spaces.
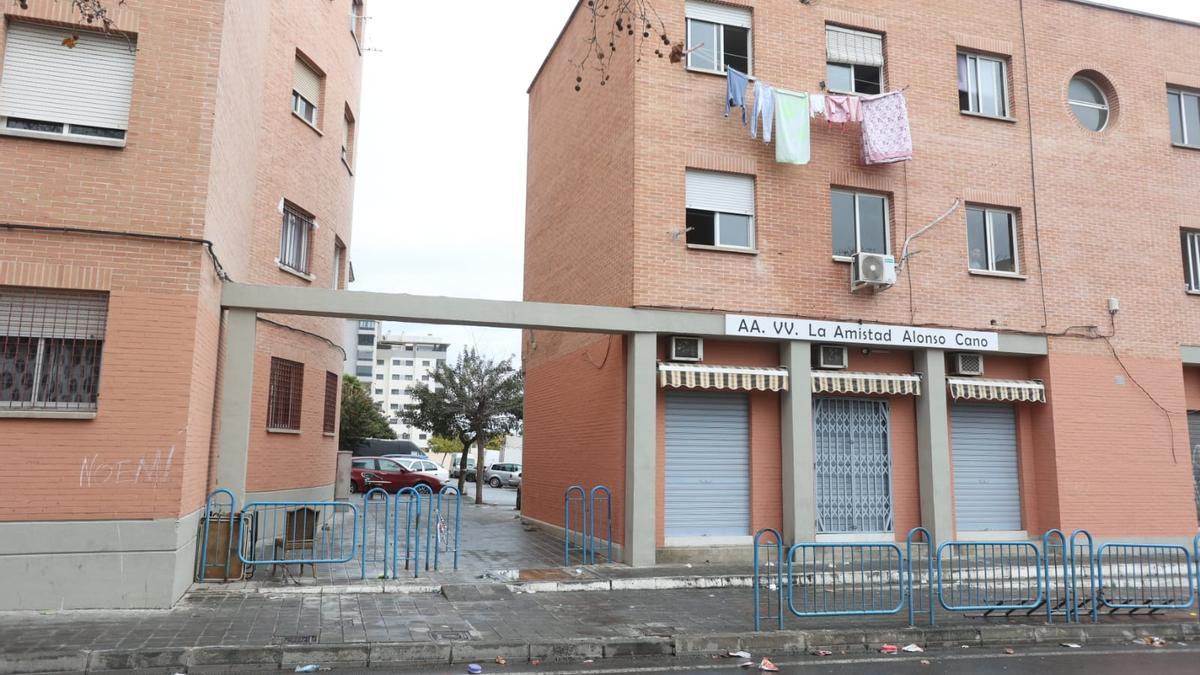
{"x":723,"y":192}
{"x":307,"y":82}
{"x":843,"y":45}
{"x":987,"y":494}
{"x":707,"y":465}
{"x":717,"y":13}
{"x":87,"y":85}
{"x":1194,"y":430}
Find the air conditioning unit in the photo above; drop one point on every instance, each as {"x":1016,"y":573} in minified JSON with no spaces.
{"x":966,"y":363}
{"x":832,"y":357}
{"x":687,"y":348}
{"x":874,"y":270}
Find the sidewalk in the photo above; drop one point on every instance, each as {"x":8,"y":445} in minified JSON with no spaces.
{"x":210,"y":631}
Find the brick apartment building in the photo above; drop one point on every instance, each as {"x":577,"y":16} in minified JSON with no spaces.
{"x":130,"y":164}
{"x":1069,"y":152}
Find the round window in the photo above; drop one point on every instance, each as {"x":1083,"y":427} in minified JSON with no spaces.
{"x":1088,"y":102}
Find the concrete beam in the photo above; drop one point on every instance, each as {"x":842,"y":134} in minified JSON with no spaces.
{"x":1190,"y":355}
{"x":933,"y":445}
{"x":641,"y":450}
{"x":237,"y":383}
{"x":796,"y":438}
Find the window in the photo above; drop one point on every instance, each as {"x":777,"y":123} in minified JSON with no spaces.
{"x":1191,"y":259}
{"x":285,"y":394}
{"x":991,"y":240}
{"x":1088,"y":102}
{"x":379,"y":376}
{"x":425,"y":363}
{"x":395,"y":392}
{"x":395,"y":377}
{"x":425,"y":378}
{"x":331,"y":393}
{"x":860,"y":223}
{"x":368,"y":325}
{"x":362,"y":371}
{"x":408,"y":362}
{"x":307,"y":83}
{"x":718,"y":36}
{"x":1184,"y":108}
{"x":389,"y":465}
{"x":356,"y":20}
{"x":367,"y":339}
{"x":422,"y":437}
{"x":49,"y":91}
{"x":982,"y":85}
{"x":50,"y":346}
{"x":339,"y":254}
{"x":720,"y":209}
{"x":378,"y":362}
{"x":348,"y":138}
{"x":363,"y":463}
{"x":405,"y":436}
{"x":294,"y":239}
{"x":379,"y":392}
{"x":395,"y":406}
{"x":853,"y":61}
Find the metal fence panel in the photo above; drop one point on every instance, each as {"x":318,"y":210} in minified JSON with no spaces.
{"x":376,"y":529}
{"x":1145,"y":576}
{"x":845,"y":579}
{"x":304,"y":533}
{"x":989,"y":576}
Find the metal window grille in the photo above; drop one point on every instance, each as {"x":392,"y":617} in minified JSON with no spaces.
{"x":853,"y":467}
{"x":1191,"y":260}
{"x":50,"y":347}
{"x":284,"y":398}
{"x":331,"y":392}
{"x":294,"y":238}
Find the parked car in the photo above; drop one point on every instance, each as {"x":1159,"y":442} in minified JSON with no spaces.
{"x":378,"y":447}
{"x":470,"y":468}
{"x":500,"y":474}
{"x":424,"y":466}
{"x":386,"y":473}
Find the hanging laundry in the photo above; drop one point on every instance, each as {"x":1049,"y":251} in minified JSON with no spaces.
{"x":843,"y":109}
{"x":816,"y":105}
{"x":764,"y":107}
{"x":735,"y":92}
{"x":791,"y":127}
{"x":886,"y":136}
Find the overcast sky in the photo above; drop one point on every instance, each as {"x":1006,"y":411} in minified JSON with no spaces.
{"x":440,"y":199}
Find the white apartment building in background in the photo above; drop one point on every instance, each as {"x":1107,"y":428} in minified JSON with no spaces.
{"x":391,"y":365}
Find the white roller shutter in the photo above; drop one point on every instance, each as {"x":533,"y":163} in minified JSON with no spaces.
{"x":729,"y":15}
{"x":853,"y":46}
{"x":987,"y":494}
{"x":724,"y":192}
{"x":307,"y":83}
{"x":88,"y":85}
{"x":707,"y":473}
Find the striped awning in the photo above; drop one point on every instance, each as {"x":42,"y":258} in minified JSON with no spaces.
{"x":703,"y":376}
{"x":844,"y":382}
{"x":979,"y":389}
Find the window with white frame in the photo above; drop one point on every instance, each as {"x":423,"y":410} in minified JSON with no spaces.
{"x":50,"y":346}
{"x":718,"y":37}
{"x":992,"y":240}
{"x":982,"y":85}
{"x":860,"y":223}
{"x":348,"y":138}
{"x":306,"y":91}
{"x":720,"y":209}
{"x":294,"y":240}
{"x":1184,"y":109}
{"x":1191,"y":259}
{"x":853,"y":61}
{"x":339,"y":254}
{"x":49,"y":90}
{"x":1088,"y":102}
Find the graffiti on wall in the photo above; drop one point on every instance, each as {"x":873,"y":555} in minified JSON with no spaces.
{"x":152,"y":469}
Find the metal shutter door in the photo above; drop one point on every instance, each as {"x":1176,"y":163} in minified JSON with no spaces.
{"x":724,"y":192}
{"x":89,"y":85}
{"x":707,"y":465}
{"x":853,"y":465}
{"x":987,"y":495}
{"x":717,"y":13}
{"x":1194,"y":431}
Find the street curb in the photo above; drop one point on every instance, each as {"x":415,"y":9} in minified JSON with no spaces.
{"x":775,"y":643}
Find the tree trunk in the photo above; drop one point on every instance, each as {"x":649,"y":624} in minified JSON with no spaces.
{"x":462,"y":462}
{"x":480,"y":443}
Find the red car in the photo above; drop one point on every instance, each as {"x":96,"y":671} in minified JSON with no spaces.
{"x":381,"y":472}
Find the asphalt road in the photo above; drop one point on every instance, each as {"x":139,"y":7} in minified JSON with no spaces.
{"x":984,"y":661}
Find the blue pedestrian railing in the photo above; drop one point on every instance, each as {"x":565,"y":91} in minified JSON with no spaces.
{"x":447,"y":518}
{"x":376,"y":521}
{"x":574,"y":538}
{"x":605,"y":529}
{"x":580,"y":507}
{"x":299,"y":533}
{"x":1059,"y":576}
{"x":219,"y":523}
{"x":406,"y":540}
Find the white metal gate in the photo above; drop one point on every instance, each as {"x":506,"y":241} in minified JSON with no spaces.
{"x":707,"y":465}
{"x":853,"y":471}
{"x":1194,"y":432}
{"x":987,"y":493}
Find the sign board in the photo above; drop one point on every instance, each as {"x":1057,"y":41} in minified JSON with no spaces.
{"x":860,"y":333}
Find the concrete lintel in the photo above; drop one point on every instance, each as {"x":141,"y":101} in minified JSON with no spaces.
{"x":796,"y":439}
{"x":933,"y":445}
{"x":237,"y":382}
{"x":641,"y":451}
{"x":1023,"y":345}
{"x":1190,"y":355}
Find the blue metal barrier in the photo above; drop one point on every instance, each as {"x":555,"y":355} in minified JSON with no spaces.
{"x":845,"y":579}
{"x":406,"y":539}
{"x":427,"y":509}
{"x":299,"y":533}
{"x":1145,"y":577}
{"x":989,"y":576}
{"x":374,"y":537}
{"x":909,"y":586}
{"x":589,"y":553}
{"x":211,"y":513}
{"x":574,"y":493}
{"x":1086,"y":552}
{"x":770,"y":554}
{"x":448,"y":519}
{"x":1058,"y":569}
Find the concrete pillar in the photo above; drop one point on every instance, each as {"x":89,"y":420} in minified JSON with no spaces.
{"x":933,"y":445}
{"x":796,"y":439}
{"x":237,"y":383}
{"x":641,"y":449}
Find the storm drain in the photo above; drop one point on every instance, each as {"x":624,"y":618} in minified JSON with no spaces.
{"x":446,"y":635}
{"x":298,"y":639}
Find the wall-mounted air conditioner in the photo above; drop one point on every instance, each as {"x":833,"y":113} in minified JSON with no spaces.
{"x":966,"y":363}
{"x":872,"y":270}
{"x":687,"y":348}
{"x":832,"y":357}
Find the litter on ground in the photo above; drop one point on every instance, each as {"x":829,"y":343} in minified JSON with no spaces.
{"x":500,"y":660}
{"x":889,"y":649}
{"x":766,"y":666}
{"x":474,"y":668}
{"x":821,"y":652}
{"x":913,"y":648}
{"x":1151,"y":641}
{"x":739,"y":654}
{"x":1009,"y":650}
{"x":1071,"y":645}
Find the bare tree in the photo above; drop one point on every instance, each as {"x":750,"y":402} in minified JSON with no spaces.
{"x":614,"y":21}
{"x":91,"y":12}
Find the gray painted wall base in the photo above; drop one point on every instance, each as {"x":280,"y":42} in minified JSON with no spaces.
{"x":130,"y":564}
